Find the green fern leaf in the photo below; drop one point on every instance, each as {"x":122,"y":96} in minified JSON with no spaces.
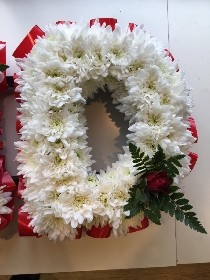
{"x":3,"y":67}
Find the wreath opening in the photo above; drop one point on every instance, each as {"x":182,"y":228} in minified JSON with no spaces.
{"x":107,"y":129}
{"x":63,"y":70}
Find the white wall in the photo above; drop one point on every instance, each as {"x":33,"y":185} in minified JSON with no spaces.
{"x":189,"y":23}
{"x":156,"y":246}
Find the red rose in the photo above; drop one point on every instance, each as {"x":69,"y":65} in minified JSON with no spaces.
{"x":158,"y":181}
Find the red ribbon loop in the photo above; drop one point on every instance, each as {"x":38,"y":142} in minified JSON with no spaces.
{"x":8,"y":182}
{"x":21,"y":187}
{"x":23,"y":225}
{"x":144,"y":224}
{"x":3,"y":223}
{"x":99,"y":232}
{"x":193,"y":128}
{"x":28,"y":42}
{"x":108,"y":22}
{"x":79,"y":233}
{"x":193,"y":159}
{"x":25,"y":230}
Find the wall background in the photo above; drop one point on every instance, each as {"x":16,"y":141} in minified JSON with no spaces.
{"x":184,"y":27}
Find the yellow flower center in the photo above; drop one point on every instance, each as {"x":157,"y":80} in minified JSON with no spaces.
{"x":151,"y":85}
{"x":153,"y":119}
{"x":117,"y":51}
{"x":103,"y":198}
{"x":136,"y":66}
{"x":80,"y":200}
{"x":65,"y":181}
{"x":121,"y":195}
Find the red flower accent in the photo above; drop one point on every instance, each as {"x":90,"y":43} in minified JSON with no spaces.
{"x":158,"y":181}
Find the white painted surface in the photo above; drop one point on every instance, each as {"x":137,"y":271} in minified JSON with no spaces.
{"x":156,"y":246}
{"x":152,"y":247}
{"x":189,"y":23}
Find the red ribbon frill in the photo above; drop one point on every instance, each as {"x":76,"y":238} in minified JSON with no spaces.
{"x":168,"y":53}
{"x":193,"y":159}
{"x":108,"y":22}
{"x":131,"y":26}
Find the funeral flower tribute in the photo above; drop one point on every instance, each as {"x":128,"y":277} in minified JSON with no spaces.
{"x":64,"y":68}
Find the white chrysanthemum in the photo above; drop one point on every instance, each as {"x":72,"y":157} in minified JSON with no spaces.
{"x":5,"y":197}
{"x":65,"y":68}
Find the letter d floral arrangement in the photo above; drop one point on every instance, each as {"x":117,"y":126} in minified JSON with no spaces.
{"x":63,"y":196}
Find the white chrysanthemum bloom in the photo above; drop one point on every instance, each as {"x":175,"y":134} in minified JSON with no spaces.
{"x":5,"y":197}
{"x":61,"y":72}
